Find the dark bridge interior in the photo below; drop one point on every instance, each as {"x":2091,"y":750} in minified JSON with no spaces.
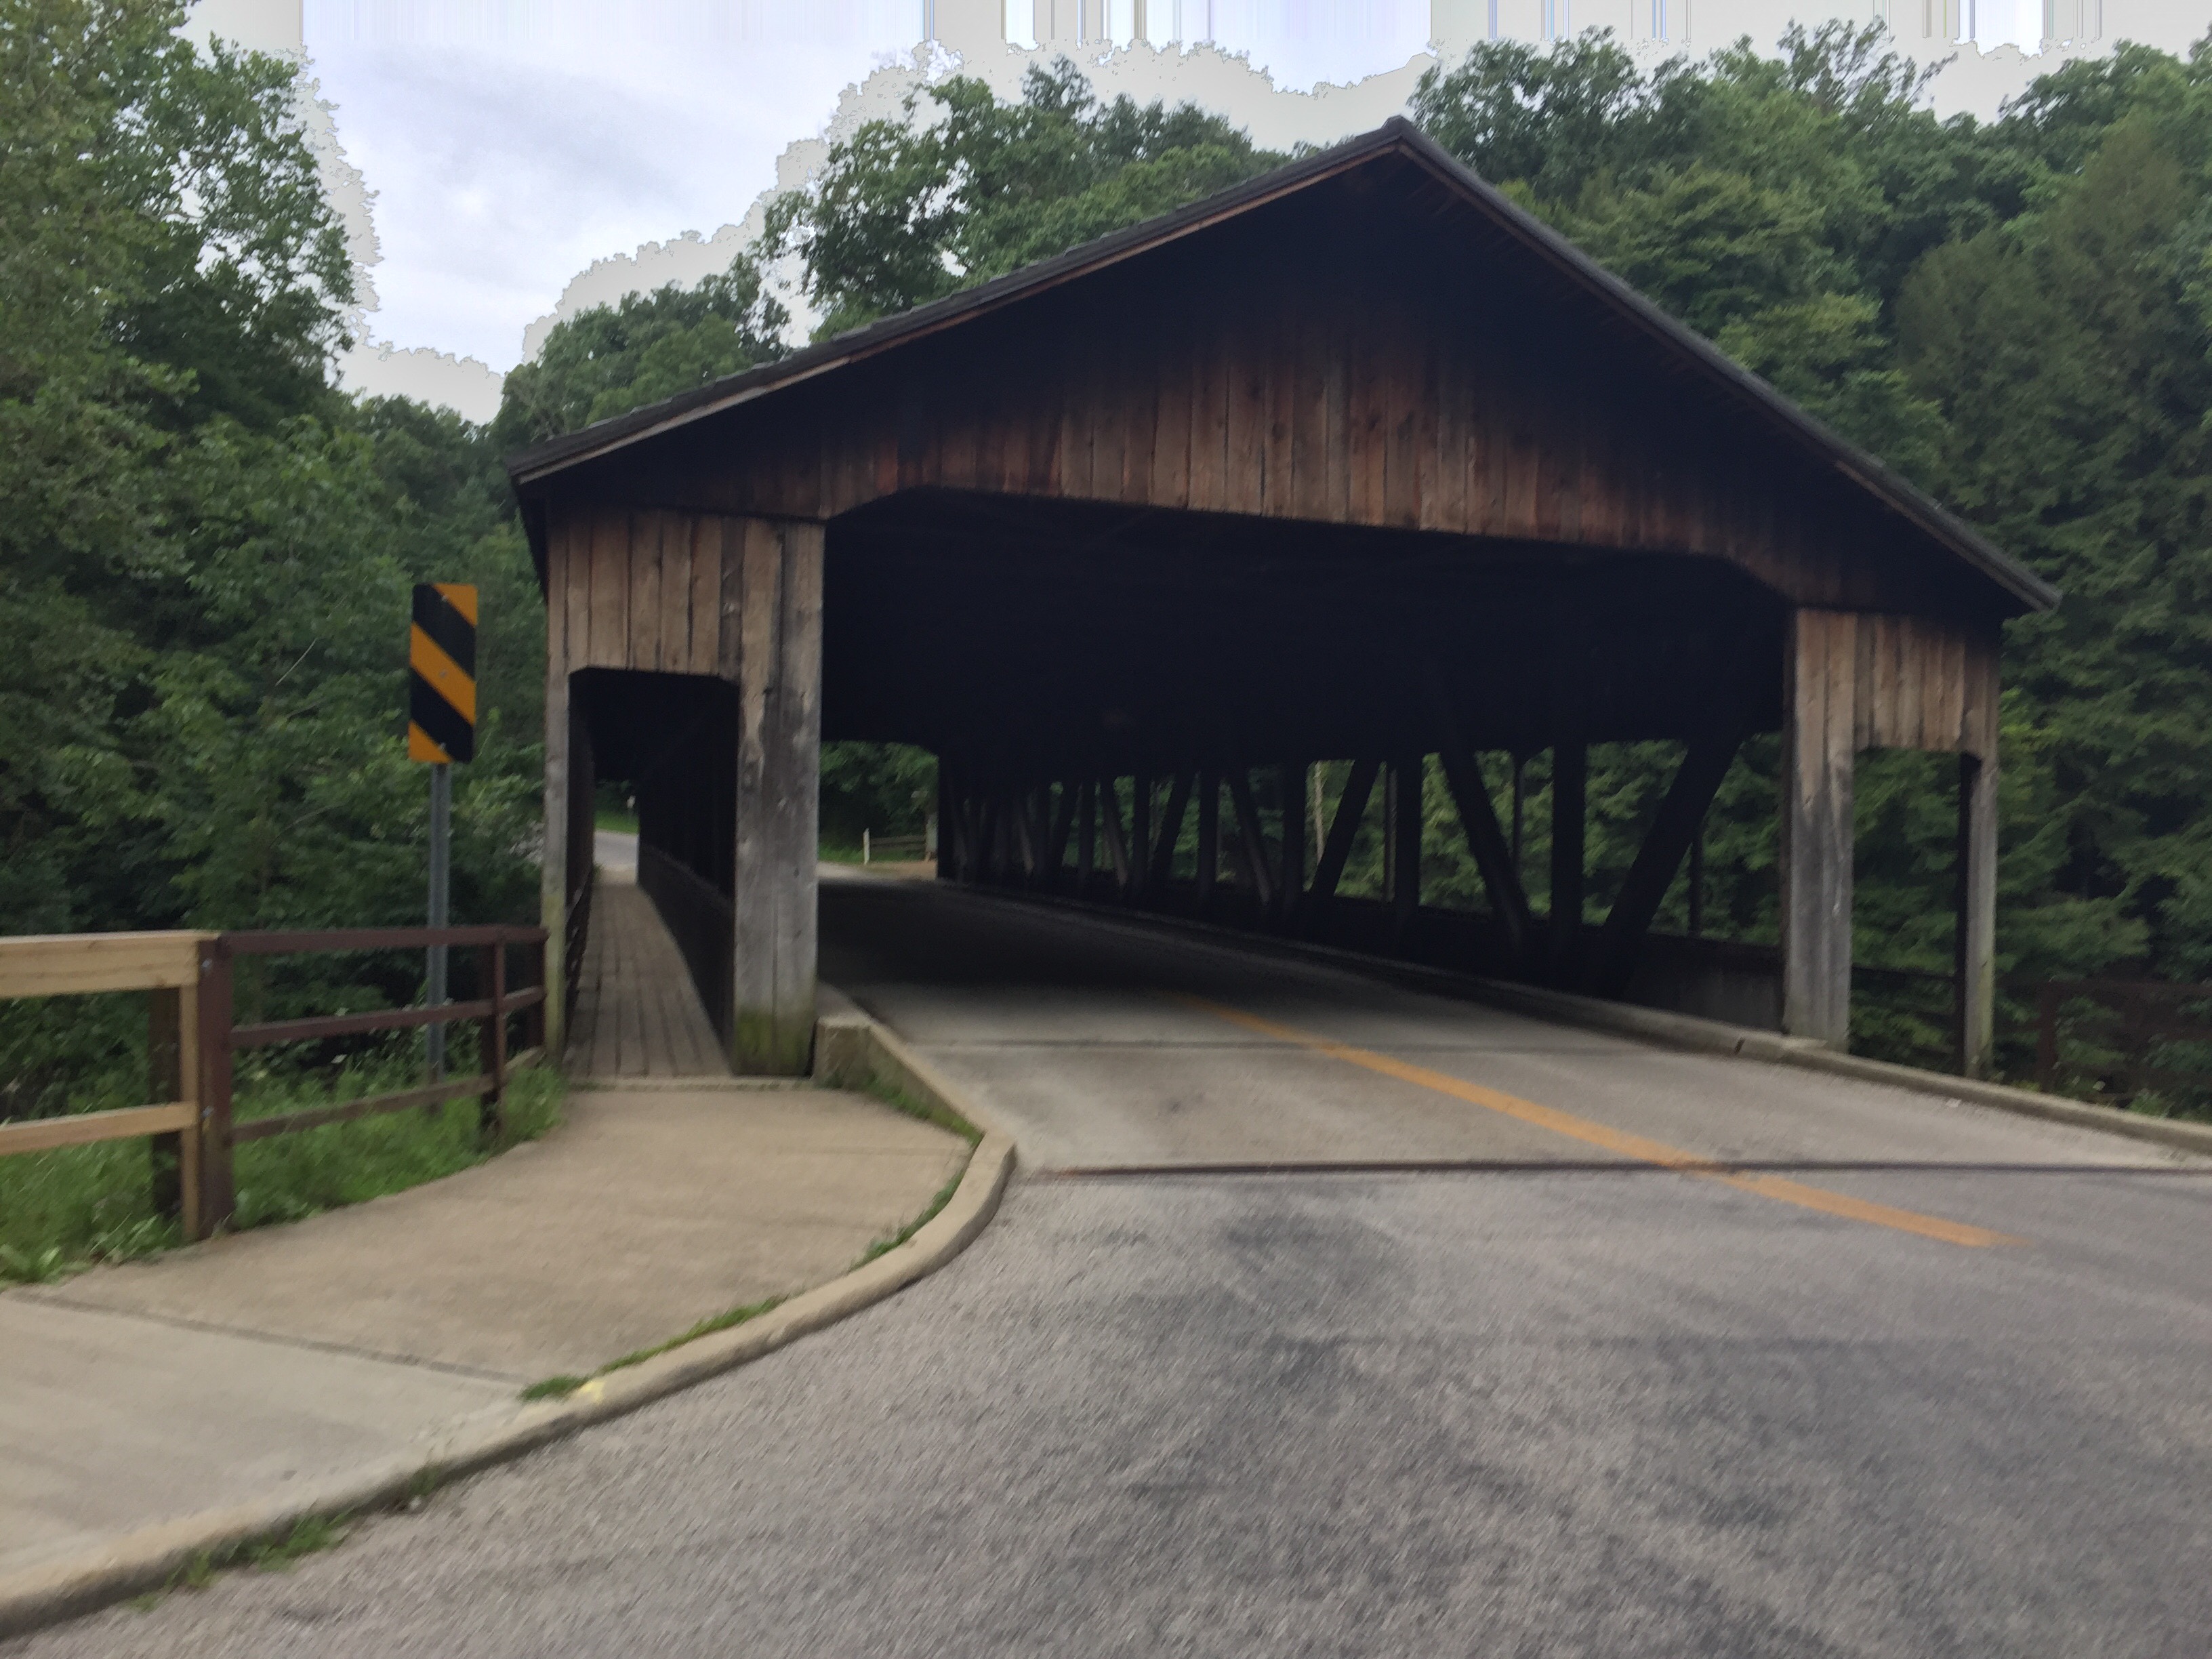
{"x":1029,"y":640}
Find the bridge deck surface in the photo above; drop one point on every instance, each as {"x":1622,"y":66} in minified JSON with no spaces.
{"x":1566,"y":1402}
{"x":638,"y":1014}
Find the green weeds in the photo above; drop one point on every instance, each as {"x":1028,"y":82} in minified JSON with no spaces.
{"x":65,"y":1210}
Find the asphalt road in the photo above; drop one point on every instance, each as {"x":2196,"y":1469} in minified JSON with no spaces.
{"x":1499,"y":1382}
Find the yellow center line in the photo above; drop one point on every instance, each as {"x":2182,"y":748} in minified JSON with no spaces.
{"x":1620,"y":1141}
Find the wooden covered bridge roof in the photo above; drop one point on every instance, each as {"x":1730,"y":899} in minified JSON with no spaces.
{"x":1394,"y":170}
{"x":1252,"y":477}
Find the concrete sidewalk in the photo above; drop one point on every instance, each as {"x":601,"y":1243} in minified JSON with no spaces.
{"x":236,"y":1370}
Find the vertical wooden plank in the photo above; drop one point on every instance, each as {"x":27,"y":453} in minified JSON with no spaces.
{"x":1816,"y":875}
{"x":1278,"y":346}
{"x":729,"y":633}
{"x":1308,"y":373}
{"x":574,"y":536}
{"x":1172,"y":391}
{"x":1570,"y":821}
{"x":563,"y":588}
{"x":1523,"y":444}
{"x":1244,"y":464}
{"x":1866,"y":678}
{"x":1210,"y":424}
{"x":1368,"y":411}
{"x":610,"y":593}
{"x":702,"y":539}
{"x":1401,"y":384}
{"x":675,"y":627}
{"x":1332,"y":338}
{"x":1445,"y":508}
{"x":774,"y":942}
{"x":645,"y":590}
{"x":1108,"y":384}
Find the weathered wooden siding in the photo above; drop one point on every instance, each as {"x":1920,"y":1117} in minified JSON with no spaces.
{"x":643,"y":589}
{"x":738,"y":599}
{"x":1338,"y":395}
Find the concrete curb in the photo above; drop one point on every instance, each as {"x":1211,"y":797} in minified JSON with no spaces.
{"x":150,"y":1558}
{"x":1652,"y":1024}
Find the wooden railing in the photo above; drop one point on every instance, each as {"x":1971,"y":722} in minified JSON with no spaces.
{"x":2126,"y":1038}
{"x":192,"y":1041}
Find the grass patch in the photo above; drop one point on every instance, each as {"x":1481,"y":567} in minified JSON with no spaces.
{"x":65,"y":1210}
{"x":558,"y":1388}
{"x":620,"y":822}
{"x":884,"y":1246}
{"x":311,"y":1535}
{"x":929,"y":1111}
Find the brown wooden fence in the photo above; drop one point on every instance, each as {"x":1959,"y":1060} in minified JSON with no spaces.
{"x":193,"y":1039}
{"x":2125,"y":1039}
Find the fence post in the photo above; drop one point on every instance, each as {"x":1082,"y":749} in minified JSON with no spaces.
{"x":2046,"y":1036}
{"x":218,"y":1181}
{"x":533,"y":1018}
{"x":165,"y":1082}
{"x":491,"y":1108}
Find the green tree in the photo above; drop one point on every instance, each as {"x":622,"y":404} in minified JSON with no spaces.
{"x":908,"y":211}
{"x":612,"y":359}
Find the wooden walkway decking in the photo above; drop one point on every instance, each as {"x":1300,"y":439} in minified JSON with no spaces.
{"x":638,"y":1013}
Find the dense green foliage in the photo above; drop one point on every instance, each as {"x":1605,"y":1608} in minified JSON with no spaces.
{"x":905,"y":212}
{"x":611,"y":359}
{"x":206,"y":550}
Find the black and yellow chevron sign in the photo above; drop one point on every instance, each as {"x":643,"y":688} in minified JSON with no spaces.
{"x":441,"y":673}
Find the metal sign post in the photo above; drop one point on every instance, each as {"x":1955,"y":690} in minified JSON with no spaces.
{"x":441,"y":729}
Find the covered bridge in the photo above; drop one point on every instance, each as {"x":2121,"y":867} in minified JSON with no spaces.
{"x":1356,"y":461}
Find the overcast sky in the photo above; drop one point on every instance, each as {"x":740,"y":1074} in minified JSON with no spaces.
{"x":511,"y":142}
{"x":504,"y":162}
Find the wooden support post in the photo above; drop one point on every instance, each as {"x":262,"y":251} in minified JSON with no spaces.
{"x":1351,"y":807}
{"x":1698,"y":881}
{"x":1209,"y":836}
{"x":1570,"y":801}
{"x":218,"y":1200}
{"x":1291,"y":888}
{"x":948,"y":838}
{"x":1252,"y":839}
{"x":1170,"y":832}
{"x":553,"y":884}
{"x":1520,"y":816}
{"x":165,"y":1081}
{"x":1681,"y":817}
{"x":1022,"y":804}
{"x":1087,"y":835}
{"x":1978,"y":908}
{"x":1818,"y":738}
{"x":1493,"y":858}
{"x":1117,"y":849}
{"x":1402,"y":816}
{"x":1140,"y":837}
{"x":1497,"y":863}
{"x":779,"y":675}
{"x":491,"y":1108}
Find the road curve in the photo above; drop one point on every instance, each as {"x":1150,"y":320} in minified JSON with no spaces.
{"x":1330,"y":1318}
